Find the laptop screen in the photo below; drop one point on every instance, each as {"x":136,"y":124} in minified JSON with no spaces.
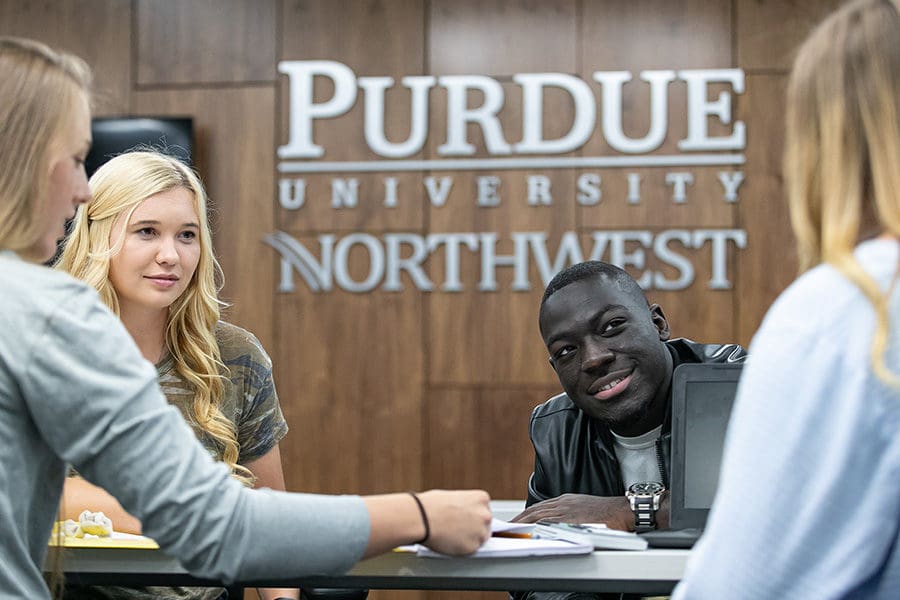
{"x":703,"y":395}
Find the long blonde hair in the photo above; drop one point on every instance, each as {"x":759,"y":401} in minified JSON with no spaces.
{"x":39,"y":84}
{"x":842,"y":153}
{"x":118,"y":187}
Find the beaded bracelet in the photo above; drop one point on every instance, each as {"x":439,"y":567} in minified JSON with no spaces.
{"x":424,"y":518}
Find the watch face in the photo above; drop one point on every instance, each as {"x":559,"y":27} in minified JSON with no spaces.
{"x":647,"y":488}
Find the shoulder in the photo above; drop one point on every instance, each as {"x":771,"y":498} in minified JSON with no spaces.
{"x":819,"y":330}
{"x":687,"y":351}
{"x":554,"y":418}
{"x":37,"y":287}
{"x":846,"y":309}
{"x":238,"y":346}
{"x":559,"y":407}
{"x":35,"y":297}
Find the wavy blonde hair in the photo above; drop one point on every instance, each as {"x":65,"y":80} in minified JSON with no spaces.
{"x":842,"y":153}
{"x":38,"y":85}
{"x":118,"y":188}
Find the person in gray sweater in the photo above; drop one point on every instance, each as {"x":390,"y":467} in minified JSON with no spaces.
{"x":74,"y":389}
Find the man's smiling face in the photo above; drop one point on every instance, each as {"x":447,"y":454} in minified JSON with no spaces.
{"x":606,"y":346}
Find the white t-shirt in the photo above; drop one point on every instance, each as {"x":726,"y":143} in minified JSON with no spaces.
{"x":638,"y":459}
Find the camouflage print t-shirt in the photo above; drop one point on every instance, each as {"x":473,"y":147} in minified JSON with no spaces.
{"x":249,"y":401}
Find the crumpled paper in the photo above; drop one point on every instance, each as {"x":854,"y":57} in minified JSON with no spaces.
{"x":90,"y":524}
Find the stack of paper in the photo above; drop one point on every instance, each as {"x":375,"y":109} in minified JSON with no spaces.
{"x":506,"y":547}
{"x":597,"y":535}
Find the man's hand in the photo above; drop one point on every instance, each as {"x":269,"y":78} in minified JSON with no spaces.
{"x":582,"y":508}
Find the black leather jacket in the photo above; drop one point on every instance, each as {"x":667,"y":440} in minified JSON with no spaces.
{"x":574,"y":453}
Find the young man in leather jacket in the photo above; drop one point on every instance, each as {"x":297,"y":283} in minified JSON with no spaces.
{"x":610,"y":428}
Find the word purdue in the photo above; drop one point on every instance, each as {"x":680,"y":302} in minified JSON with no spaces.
{"x":700,"y":110}
{"x":394,"y":254}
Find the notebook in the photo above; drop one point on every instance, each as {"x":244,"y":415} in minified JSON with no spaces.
{"x":702,"y":398}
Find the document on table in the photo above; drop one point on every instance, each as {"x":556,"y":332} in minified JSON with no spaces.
{"x":116,"y":540}
{"x":511,"y":540}
{"x":506,"y":547}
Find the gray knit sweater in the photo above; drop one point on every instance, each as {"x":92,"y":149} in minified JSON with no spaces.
{"x":74,"y":389}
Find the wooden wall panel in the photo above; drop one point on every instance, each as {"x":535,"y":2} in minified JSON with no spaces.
{"x":697,"y":312}
{"x":349,"y":369}
{"x":496,"y":454}
{"x":309,"y":30}
{"x":769,"y":263}
{"x":463,"y":329}
{"x":205,"y":41}
{"x":649,"y":35}
{"x":502,"y":37}
{"x":769,"y":31}
{"x":626,"y":35}
{"x":234,"y":139}
{"x":384,"y":390}
{"x":472,"y":319}
{"x":372,"y":37}
{"x":99,"y":31}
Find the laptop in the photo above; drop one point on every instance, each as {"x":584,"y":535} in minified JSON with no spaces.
{"x":702,"y":398}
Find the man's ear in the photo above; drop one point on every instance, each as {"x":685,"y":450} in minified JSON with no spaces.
{"x":660,"y":321}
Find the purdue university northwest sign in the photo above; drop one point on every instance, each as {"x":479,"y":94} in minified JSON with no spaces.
{"x":392,"y":254}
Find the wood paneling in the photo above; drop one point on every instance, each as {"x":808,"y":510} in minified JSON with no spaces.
{"x":372,"y":37}
{"x":463,"y":330}
{"x":479,"y":438}
{"x":309,"y":31}
{"x":97,"y":31}
{"x":350,"y":369}
{"x":769,"y":263}
{"x":205,"y":41}
{"x":234,"y":139}
{"x":502,"y":37}
{"x":628,"y":35}
{"x":392,"y":391}
{"x":769,"y":31}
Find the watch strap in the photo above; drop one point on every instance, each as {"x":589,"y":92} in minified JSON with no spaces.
{"x":644,"y":508}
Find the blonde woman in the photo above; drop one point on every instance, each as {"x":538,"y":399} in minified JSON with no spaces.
{"x":144,"y":244}
{"x":75,"y":389}
{"x":808,"y":504}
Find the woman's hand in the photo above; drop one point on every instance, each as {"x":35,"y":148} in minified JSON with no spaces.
{"x":459,"y":521}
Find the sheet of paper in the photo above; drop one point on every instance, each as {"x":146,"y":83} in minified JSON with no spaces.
{"x":505,"y":547}
{"x":498,"y":526}
{"x":116,"y":540}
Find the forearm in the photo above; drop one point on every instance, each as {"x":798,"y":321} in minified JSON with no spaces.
{"x":269,"y":474}
{"x":80,"y":495}
{"x":276,"y":593}
{"x":394,"y":520}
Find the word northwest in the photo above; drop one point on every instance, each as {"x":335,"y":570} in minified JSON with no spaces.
{"x":398,"y":256}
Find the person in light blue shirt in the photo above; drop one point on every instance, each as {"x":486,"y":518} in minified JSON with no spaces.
{"x":808,"y":504}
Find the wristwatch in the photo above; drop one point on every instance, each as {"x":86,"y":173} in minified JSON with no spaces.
{"x":644,"y":499}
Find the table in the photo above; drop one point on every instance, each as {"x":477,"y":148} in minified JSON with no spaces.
{"x":649,"y":572}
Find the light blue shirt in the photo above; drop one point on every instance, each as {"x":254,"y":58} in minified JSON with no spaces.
{"x":808,"y":504}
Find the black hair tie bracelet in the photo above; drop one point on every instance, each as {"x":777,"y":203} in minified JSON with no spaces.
{"x":424,"y":518}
